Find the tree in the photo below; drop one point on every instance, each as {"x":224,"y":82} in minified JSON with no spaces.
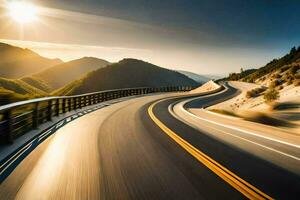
{"x":293,"y":50}
{"x":271,"y":95}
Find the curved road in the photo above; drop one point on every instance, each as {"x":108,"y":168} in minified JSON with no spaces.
{"x":136,"y":149}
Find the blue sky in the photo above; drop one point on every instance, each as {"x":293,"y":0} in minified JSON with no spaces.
{"x":247,"y":22}
{"x":204,"y":36}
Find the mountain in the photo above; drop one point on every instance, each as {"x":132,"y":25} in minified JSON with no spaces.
{"x":196,"y":77}
{"x":214,"y":76}
{"x":277,"y":73}
{"x":16,"y":62}
{"x":293,"y":57}
{"x":37,"y":83}
{"x":8,"y":96}
{"x":238,"y":76}
{"x":60,"y":75}
{"x":20,"y":87}
{"x":127,"y":73}
{"x":12,"y":90}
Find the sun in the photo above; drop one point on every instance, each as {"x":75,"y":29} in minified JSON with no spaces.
{"x":22,"y":12}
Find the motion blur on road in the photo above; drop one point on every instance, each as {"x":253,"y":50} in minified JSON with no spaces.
{"x":122,"y":151}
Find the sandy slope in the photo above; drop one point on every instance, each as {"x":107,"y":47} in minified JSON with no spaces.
{"x":256,"y":109}
{"x":241,"y":103}
{"x":208,"y":86}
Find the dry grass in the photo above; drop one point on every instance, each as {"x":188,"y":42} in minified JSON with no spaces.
{"x":224,"y":112}
{"x":266,"y":119}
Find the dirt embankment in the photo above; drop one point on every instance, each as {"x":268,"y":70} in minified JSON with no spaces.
{"x":208,"y":86}
{"x":284,"y":112}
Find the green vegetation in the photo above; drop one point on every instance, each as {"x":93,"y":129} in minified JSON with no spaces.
{"x":127,"y":73}
{"x":20,"y":87}
{"x":61,"y":75}
{"x":238,"y":76}
{"x":285,"y":70}
{"x":69,"y":89}
{"x":292,"y":57}
{"x":8,"y":96}
{"x":255,"y":92}
{"x":37,"y":83}
{"x":16,"y":62}
{"x":12,"y":90}
{"x":271,"y":95}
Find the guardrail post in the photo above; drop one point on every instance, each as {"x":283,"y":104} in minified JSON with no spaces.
{"x":89,"y":99}
{"x":96,"y":98}
{"x":57,"y":107}
{"x":49,"y":109}
{"x":35,"y":116}
{"x":64,"y":106}
{"x":75,"y":103}
{"x":8,"y":134}
{"x":70,"y":104}
{"x":99,"y":98}
{"x":79,"y":102}
{"x":84,"y":101}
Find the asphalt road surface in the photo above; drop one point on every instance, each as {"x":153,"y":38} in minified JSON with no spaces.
{"x":137,"y":150}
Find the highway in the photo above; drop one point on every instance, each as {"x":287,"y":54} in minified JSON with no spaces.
{"x":138,"y":149}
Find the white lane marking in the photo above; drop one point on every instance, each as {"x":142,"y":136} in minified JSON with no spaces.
{"x":57,"y":126}
{"x":15,"y":154}
{"x":242,"y":130}
{"x":250,"y":141}
{"x":15,"y":159}
{"x":258,"y":144}
{"x":181,"y":105}
{"x":46,"y":135}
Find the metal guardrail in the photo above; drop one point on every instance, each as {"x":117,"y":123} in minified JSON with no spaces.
{"x":18,"y":118}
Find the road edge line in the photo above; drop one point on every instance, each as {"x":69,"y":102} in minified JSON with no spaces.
{"x":243,"y":187}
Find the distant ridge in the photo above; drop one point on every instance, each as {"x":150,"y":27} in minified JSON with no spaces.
{"x":16,"y":62}
{"x":20,"y":87}
{"x":278,"y":72}
{"x":126,"y":74}
{"x":62,"y":74}
{"x":196,"y":77}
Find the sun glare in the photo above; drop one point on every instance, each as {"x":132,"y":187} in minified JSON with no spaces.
{"x":22,"y":12}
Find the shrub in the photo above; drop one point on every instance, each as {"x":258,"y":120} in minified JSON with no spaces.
{"x":296,"y":82}
{"x":294,"y":69}
{"x":275,"y":83}
{"x":278,"y":76}
{"x":250,"y":94}
{"x":255,"y":92}
{"x":284,"y":68}
{"x":271,"y":95}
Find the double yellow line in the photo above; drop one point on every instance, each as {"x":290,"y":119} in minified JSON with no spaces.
{"x":236,"y":182}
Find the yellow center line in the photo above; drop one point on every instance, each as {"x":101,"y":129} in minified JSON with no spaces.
{"x":235,"y":181}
